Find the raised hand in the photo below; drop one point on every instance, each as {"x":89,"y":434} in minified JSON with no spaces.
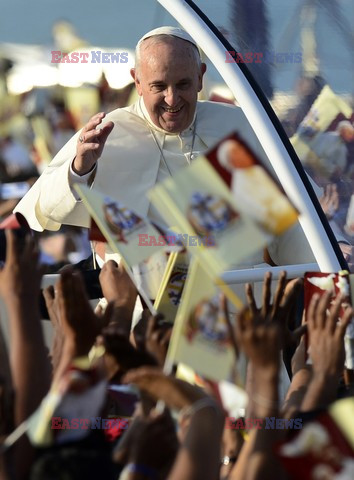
{"x":117,"y":286}
{"x":90,"y":143}
{"x":152,"y":334}
{"x":20,"y":280}
{"x":120,"y":292}
{"x":79,"y":324}
{"x":326,"y":334}
{"x":138,"y":336}
{"x":259,"y":335}
{"x":282,"y":311}
{"x":157,"y":339}
{"x":260,"y":341}
{"x":21,"y":275}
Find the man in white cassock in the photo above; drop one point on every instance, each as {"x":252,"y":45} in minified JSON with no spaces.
{"x":126,"y":152}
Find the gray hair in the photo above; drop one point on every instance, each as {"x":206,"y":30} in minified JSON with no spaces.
{"x":343,"y":125}
{"x":165,"y":38}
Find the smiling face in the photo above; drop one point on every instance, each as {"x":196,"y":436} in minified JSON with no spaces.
{"x":168,"y":77}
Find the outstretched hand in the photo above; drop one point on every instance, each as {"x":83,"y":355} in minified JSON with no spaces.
{"x":326,"y":340}
{"x":157,"y":339}
{"x":281,"y":311}
{"x":326,"y":334}
{"x":259,"y":341}
{"x":20,"y":278}
{"x":119,"y":290}
{"x":117,"y":286}
{"x":77,"y":320}
{"x":90,"y":143}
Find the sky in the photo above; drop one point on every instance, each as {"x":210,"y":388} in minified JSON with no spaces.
{"x":119,"y":23}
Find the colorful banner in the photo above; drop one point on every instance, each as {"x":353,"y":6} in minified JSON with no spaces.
{"x":199,"y":204}
{"x":324,"y":447}
{"x":169,"y":295}
{"x":257,"y":193}
{"x":120,"y":226}
{"x":318,"y":140}
{"x":201,"y":336}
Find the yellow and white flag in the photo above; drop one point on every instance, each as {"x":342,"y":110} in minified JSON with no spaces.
{"x":201,"y":336}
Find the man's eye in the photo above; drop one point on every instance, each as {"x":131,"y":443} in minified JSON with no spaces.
{"x":184,"y":84}
{"x":158,"y":87}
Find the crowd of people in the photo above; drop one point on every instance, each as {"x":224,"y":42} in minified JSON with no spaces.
{"x":167,"y":428}
{"x":97,"y":403}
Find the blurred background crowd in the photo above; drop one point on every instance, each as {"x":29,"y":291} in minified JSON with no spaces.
{"x":43,"y":104}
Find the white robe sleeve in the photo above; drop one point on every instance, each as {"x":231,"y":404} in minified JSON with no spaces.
{"x":51,"y":201}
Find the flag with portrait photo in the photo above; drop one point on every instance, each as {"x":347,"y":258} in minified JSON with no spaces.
{"x":120,"y":226}
{"x":258,"y":194}
{"x":198,"y":202}
{"x":315,"y":136}
{"x":201,"y":335}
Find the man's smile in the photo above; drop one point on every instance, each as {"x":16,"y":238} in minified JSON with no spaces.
{"x":171,"y":110}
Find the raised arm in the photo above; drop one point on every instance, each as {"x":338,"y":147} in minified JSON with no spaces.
{"x":90,"y":144}
{"x":51,"y":201}
{"x":326,"y":336}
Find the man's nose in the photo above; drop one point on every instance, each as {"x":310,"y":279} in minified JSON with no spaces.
{"x":171,"y":96}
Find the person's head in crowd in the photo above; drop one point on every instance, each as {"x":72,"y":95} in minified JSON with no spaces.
{"x":168,"y":75}
{"x":346,"y":131}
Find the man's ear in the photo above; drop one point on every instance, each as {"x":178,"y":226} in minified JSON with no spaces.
{"x":134,"y":74}
{"x":202,"y":71}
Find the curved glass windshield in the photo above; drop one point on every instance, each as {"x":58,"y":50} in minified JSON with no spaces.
{"x":300,"y":53}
